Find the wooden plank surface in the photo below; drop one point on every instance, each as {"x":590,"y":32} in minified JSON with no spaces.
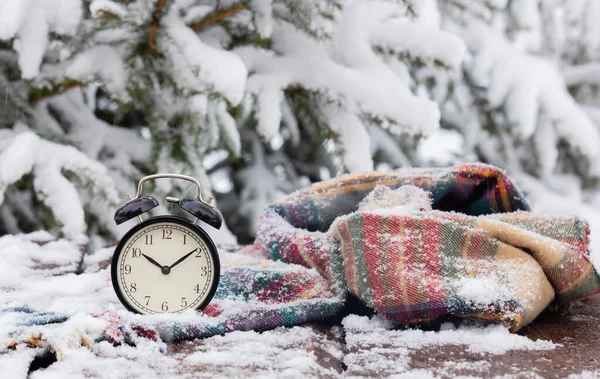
{"x":323,"y":352}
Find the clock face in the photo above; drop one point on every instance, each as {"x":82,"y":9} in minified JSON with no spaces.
{"x":165,"y":265}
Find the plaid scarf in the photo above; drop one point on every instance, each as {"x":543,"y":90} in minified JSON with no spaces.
{"x":413,"y":245}
{"x":417,"y":244}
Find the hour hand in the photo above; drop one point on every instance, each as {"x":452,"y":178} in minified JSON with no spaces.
{"x":183,"y":258}
{"x":152,"y":261}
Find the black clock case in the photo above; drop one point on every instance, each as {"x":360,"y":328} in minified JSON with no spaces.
{"x":176,"y":220}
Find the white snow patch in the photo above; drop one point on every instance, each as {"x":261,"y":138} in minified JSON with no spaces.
{"x":482,"y":291}
{"x":102,"y":61}
{"x":494,"y":340}
{"x":441,"y":148}
{"x":198,"y":66}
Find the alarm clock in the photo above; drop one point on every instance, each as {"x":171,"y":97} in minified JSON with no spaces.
{"x":166,"y":264}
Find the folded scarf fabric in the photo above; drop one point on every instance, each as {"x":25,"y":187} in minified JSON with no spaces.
{"x":412,"y":244}
{"x":416,"y":244}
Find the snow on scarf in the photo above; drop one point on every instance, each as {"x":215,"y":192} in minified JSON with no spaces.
{"x":412,"y":245}
{"x":416,"y":244}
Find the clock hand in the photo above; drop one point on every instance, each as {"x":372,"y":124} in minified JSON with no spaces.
{"x":183,"y":258}
{"x":153,"y":261}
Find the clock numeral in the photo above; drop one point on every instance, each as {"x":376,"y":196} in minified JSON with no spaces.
{"x":164,"y":306}
{"x":184,"y":238}
{"x":197,"y":288}
{"x":137,"y":252}
{"x":199,"y":253}
{"x":167,"y":234}
{"x":147,"y":299}
{"x":184,"y":303}
{"x":132,"y":287}
{"x":148,"y":239}
{"x":203,"y":271}
{"x":127,"y":269}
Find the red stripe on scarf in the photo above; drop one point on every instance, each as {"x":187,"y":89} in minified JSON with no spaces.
{"x":373,"y":257}
{"x":267,"y":293}
{"x":581,"y":265}
{"x":411,"y":248}
{"x":433,"y":264}
{"x":396,"y":270}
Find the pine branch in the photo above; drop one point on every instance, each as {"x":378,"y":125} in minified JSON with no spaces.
{"x":588,"y":73}
{"x":409,"y":9}
{"x":297,"y":96}
{"x":155,"y":22}
{"x":217,"y":16}
{"x":37,"y":94}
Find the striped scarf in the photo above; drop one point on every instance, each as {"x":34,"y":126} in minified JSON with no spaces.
{"x":418,"y":244}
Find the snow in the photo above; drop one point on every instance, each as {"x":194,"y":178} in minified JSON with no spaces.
{"x":278,"y":353}
{"x":269,"y":112}
{"x":103,"y":61}
{"x":99,"y":6}
{"x":27,"y":152}
{"x":585,"y":375}
{"x":441,"y":148}
{"x":12,"y":15}
{"x":347,"y":68}
{"x":482,"y":290}
{"x":351,"y":134}
{"x":38,"y":271}
{"x":229,"y":130}
{"x":198,"y":66}
{"x":405,"y":200}
{"x":523,"y":96}
{"x":500,"y":68}
{"x":374,"y":347}
{"x":30,"y":21}
{"x":263,"y":19}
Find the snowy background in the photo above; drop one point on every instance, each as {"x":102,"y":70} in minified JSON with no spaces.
{"x":257,"y":98}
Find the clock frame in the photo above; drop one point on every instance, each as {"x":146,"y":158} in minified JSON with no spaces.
{"x":181,"y":222}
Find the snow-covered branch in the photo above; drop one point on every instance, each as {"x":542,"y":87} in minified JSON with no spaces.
{"x":588,"y":73}
{"x":25,"y":152}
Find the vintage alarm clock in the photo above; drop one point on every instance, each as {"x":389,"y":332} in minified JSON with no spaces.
{"x":166,"y":264}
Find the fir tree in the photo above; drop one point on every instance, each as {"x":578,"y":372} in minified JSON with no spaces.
{"x":257,"y":98}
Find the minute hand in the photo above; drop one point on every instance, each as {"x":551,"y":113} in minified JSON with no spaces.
{"x":183,"y":258}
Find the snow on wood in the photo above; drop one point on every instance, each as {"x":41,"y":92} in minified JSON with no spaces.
{"x":375,"y":350}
